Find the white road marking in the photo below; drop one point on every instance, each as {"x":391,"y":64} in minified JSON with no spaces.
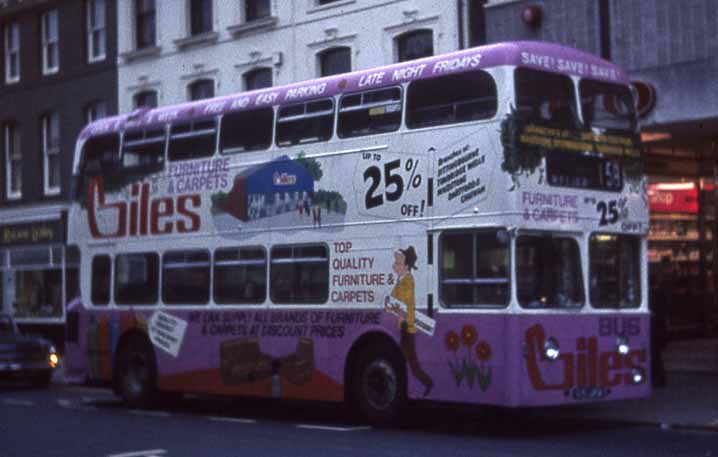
{"x":64,"y":402}
{"x":147,"y":453}
{"x":239,"y":420}
{"x":141,"y":412}
{"x":332,"y":428}
{"x":18,"y":402}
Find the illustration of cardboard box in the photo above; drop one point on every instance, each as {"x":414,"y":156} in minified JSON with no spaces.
{"x":241,"y":361}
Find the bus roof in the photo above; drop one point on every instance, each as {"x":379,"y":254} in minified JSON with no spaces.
{"x":532,"y":54}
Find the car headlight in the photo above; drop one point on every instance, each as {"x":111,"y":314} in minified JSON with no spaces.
{"x":53,"y":359}
{"x":622,"y":345}
{"x":637,"y":376}
{"x":551,"y":349}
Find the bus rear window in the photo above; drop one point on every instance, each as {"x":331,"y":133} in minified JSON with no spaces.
{"x":548,"y":272}
{"x":607,"y":106}
{"x":370,"y":112}
{"x":246,"y":131}
{"x":615,"y":271}
{"x":193,"y":140}
{"x":545,"y":98}
{"x":451,"y":99}
{"x":475,"y":268}
{"x":300,"y":274}
{"x":305,"y":122}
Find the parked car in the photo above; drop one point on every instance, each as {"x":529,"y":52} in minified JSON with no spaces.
{"x":24,"y":357}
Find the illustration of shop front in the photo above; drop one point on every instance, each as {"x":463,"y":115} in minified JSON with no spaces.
{"x":270,"y":189}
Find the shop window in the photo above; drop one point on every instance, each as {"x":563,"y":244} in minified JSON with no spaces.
{"x":192,"y":140}
{"x":145,"y":23}
{"x":101,"y":280}
{"x":548,"y":272}
{"x":335,"y":61}
{"x":185,"y":277}
{"x":305,"y":122}
{"x":34,"y":284}
{"x":475,"y":268}
{"x":300,"y":274}
{"x":240,"y":275}
{"x":451,"y":99}
{"x":371,"y":112}
{"x":414,"y":45}
{"x":136,"y":279}
{"x":246,"y":131}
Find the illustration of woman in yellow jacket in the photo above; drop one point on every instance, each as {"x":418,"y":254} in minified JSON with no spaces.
{"x":403,"y":291}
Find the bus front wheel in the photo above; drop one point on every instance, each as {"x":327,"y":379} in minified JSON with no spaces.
{"x":380,"y":385}
{"x":137,"y":372}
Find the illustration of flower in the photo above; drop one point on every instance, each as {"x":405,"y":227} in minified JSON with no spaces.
{"x":483,"y":351}
{"x":468,"y":335}
{"x":475,"y":371}
{"x":452,"y":341}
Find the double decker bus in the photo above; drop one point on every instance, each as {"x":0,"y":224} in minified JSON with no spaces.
{"x":469,"y":227}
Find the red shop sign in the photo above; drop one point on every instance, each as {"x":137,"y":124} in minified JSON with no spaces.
{"x":673,"y":198}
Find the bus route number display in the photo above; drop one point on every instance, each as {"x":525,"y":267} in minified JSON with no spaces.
{"x":583,"y":172}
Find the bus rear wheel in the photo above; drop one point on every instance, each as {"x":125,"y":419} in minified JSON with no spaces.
{"x":137,"y":372}
{"x":380,"y":385}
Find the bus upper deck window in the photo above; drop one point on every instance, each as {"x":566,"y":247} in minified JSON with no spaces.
{"x":546,"y":98}
{"x":100,"y":154}
{"x":607,"y":106}
{"x":366,"y":113}
{"x":246,"y":131}
{"x":192,"y":139}
{"x":142,"y":148}
{"x":451,"y":99}
{"x":305,"y":122}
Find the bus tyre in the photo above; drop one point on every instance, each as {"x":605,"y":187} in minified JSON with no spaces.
{"x":137,"y":372}
{"x":380,"y":385}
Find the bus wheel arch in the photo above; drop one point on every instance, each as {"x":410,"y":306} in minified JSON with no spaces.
{"x":375,"y":365}
{"x":135,"y":370}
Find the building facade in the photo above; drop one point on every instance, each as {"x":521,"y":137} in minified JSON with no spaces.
{"x":57,"y":72}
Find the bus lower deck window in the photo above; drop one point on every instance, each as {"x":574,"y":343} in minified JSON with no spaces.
{"x":299,"y":274}
{"x":185,"y":277}
{"x":240,"y":275}
{"x":137,"y":279}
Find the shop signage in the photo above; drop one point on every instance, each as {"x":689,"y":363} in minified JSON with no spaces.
{"x":45,"y":232}
{"x":673,"y":199}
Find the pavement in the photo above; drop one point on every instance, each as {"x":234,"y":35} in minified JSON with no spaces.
{"x":689,"y":400}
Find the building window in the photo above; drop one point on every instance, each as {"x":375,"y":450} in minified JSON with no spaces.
{"x":200,"y":16}
{"x":257,"y":79}
{"x":145,"y":99}
{"x":13,"y":161}
{"x":477,"y":22}
{"x":50,"y":43}
{"x":95,"y":110}
{"x":256,"y":9}
{"x":415,"y":45}
{"x":51,"y":152}
{"x":96,"y":37}
{"x":325,"y":2}
{"x":145,"y":17}
{"x":12,"y":52}
{"x":200,"y":89}
{"x":335,"y":61}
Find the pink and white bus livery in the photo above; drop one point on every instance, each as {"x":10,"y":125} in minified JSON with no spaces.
{"x":469,"y":227}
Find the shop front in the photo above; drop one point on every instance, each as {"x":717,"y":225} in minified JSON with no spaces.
{"x":38,"y":275}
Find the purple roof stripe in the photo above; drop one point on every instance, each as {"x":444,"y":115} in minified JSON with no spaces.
{"x":533,"y":54}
